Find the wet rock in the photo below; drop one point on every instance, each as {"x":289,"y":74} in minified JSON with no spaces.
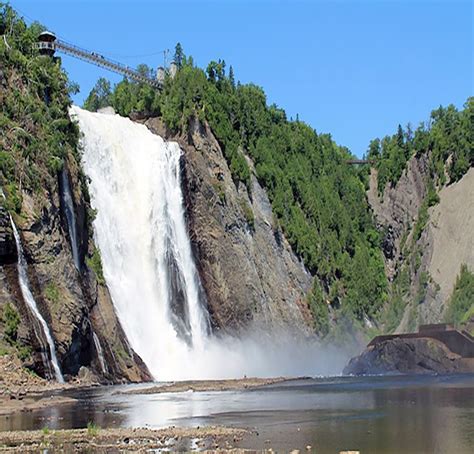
{"x":8,"y":253}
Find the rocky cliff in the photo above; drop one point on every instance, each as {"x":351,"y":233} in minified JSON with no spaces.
{"x":247,"y":268}
{"x":75,"y":305}
{"x":424,"y":246}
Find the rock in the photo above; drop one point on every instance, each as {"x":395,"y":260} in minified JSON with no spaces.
{"x":408,"y":356}
{"x":109,"y":110}
{"x":247,"y":268}
{"x":8,"y":253}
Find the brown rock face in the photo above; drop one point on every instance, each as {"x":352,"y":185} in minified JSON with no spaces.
{"x":72,"y":302}
{"x":247,"y":268}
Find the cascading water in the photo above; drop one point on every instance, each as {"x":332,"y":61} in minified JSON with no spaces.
{"x":66,"y":196}
{"x":100,"y":353}
{"x":30,"y":301}
{"x":140,"y":229}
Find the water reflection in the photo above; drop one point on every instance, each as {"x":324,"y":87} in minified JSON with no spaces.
{"x":373,"y":415}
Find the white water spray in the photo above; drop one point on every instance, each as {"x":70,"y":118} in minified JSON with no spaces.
{"x":70,"y":217}
{"x":141,"y":232}
{"x":30,"y":301}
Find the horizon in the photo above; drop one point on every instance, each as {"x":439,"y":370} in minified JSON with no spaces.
{"x":356,"y":90}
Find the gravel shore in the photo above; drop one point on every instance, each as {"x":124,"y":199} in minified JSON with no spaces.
{"x":94,"y":440}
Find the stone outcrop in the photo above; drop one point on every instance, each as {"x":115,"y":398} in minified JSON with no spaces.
{"x":248,"y":270}
{"x":7,"y":242}
{"x":421,"y":355}
{"x":397,"y":208}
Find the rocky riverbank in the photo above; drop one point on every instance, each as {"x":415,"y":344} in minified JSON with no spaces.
{"x":22,"y":390}
{"x":97,"y":440}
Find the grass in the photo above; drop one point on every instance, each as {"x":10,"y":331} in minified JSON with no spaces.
{"x":95,"y":264}
{"x":45,"y":430}
{"x":92,"y":429}
{"x":52,"y":292}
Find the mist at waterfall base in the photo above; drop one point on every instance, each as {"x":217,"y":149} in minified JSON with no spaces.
{"x":140,"y":229}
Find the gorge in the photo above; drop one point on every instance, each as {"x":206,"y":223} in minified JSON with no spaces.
{"x":200,"y":233}
{"x":140,"y":229}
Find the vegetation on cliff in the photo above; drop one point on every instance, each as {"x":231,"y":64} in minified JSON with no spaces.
{"x":447,"y":134}
{"x":36,"y":132}
{"x":318,"y":200}
{"x":461,"y":305}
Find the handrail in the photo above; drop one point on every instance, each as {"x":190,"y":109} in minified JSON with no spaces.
{"x":98,"y":60}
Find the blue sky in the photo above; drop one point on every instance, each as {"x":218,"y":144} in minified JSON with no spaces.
{"x":352,"y":68}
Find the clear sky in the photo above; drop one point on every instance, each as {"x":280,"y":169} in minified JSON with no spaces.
{"x":352,"y":68}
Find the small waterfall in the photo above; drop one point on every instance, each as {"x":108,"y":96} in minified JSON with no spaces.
{"x":100,"y":353}
{"x":30,"y":301}
{"x":68,"y":203}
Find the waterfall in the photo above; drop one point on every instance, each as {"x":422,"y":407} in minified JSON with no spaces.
{"x":100,"y":353}
{"x":30,"y":301}
{"x":66,"y":196}
{"x":140,"y":229}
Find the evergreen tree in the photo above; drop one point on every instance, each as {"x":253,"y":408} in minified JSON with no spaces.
{"x":99,"y":97}
{"x":231,"y":76}
{"x":178,"y":55}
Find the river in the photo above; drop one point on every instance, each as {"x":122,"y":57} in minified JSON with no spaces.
{"x":401,"y":414}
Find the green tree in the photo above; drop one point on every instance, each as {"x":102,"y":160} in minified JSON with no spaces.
{"x":178,"y":55}
{"x":461,"y":303}
{"x":99,"y":97}
{"x":231,"y":76}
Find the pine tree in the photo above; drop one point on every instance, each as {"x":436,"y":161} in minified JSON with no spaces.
{"x":231,"y":76}
{"x":178,"y":55}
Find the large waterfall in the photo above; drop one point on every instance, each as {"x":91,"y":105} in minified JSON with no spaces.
{"x":140,"y":229}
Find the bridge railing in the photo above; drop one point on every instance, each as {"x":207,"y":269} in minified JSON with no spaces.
{"x":98,"y":60}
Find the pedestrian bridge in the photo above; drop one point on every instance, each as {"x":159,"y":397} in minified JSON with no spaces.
{"x":48,"y":44}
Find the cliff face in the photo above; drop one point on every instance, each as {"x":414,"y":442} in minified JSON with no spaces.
{"x":73,"y":303}
{"x":396,"y":210}
{"x":423,"y":269}
{"x":247,"y":268}
{"x":450,"y":233}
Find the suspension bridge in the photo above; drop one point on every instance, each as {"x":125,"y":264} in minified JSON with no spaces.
{"x":48,"y":44}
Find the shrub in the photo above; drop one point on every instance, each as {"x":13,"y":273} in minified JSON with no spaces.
{"x":94,"y":262}
{"x":461,"y":304}
{"x":11,"y":321}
